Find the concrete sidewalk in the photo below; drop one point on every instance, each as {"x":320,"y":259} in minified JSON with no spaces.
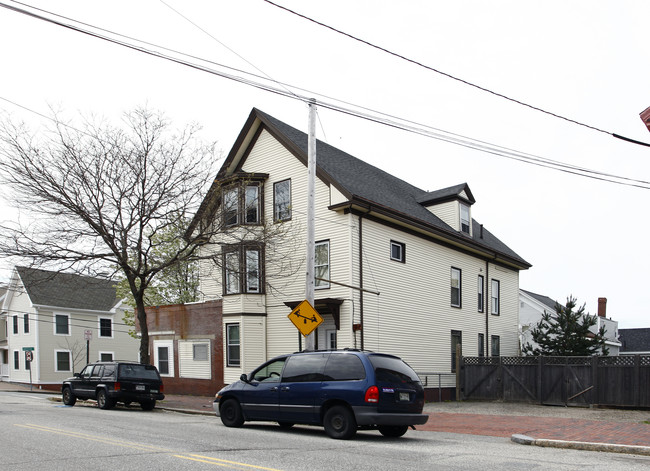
{"x":611,"y":430}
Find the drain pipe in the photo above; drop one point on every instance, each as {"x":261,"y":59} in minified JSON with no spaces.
{"x":361,"y":274}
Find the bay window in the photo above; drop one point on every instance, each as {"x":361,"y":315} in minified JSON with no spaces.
{"x":242,"y":271}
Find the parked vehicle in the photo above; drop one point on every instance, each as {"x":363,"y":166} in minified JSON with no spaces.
{"x":115,"y":381}
{"x":342,"y":390}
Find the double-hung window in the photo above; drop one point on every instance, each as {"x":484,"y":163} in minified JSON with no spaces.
{"x":63,"y":362}
{"x":61,"y":324}
{"x":496,"y":297}
{"x":232,"y":345}
{"x":322,"y":264}
{"x":231,"y":206}
{"x":241,"y":204}
{"x":481,"y":345}
{"x":481,"y":298}
{"x":464,"y":218}
{"x":397,"y":251}
{"x":26,"y":323}
{"x":496,"y":346}
{"x":105,"y":327}
{"x":455,"y":287}
{"x":252,"y":204}
{"x":282,"y":200}
{"x":15,"y":324}
{"x":243,"y":270}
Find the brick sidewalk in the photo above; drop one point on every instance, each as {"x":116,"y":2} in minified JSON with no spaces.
{"x":554,"y":428}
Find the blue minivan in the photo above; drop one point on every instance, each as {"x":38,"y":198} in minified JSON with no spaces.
{"x":342,"y":390}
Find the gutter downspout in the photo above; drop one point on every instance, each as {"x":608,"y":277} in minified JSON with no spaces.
{"x":361,"y":274}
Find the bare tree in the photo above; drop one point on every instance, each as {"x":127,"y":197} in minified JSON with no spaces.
{"x":100,"y":198}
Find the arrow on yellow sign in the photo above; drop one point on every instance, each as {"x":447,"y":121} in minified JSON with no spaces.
{"x":305,"y":318}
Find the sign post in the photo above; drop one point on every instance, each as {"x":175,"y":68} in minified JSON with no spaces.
{"x":29,"y":357}
{"x":88,"y":335}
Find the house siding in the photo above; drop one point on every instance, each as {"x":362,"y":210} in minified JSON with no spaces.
{"x":407,"y":309}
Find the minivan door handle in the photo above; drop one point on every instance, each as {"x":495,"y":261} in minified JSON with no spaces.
{"x":274,"y":388}
{"x":284,"y":388}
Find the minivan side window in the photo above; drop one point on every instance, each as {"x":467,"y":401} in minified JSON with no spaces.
{"x":344,"y":367}
{"x":304,"y":368}
{"x":269,"y":373}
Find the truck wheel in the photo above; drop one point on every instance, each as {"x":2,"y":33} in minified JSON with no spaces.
{"x":69,"y":399}
{"x":339,"y":423}
{"x":103,"y":401}
{"x":148,"y":405}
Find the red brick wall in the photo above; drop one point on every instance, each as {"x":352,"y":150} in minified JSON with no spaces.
{"x":188,"y":321}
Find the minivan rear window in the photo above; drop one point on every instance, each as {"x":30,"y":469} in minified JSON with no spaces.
{"x":344,"y":367}
{"x":392,"y":370}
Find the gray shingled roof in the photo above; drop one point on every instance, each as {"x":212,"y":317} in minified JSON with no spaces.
{"x":542,"y":299}
{"x":634,"y":340}
{"x":359,"y":179}
{"x":65,"y":290}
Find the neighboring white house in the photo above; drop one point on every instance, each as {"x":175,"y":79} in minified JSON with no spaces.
{"x":532,"y":306}
{"x":399,"y":269}
{"x":60,"y":318}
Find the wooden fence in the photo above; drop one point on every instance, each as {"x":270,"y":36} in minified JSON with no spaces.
{"x":573,"y":381}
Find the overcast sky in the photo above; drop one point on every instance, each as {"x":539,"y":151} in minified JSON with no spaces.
{"x":585,"y":60}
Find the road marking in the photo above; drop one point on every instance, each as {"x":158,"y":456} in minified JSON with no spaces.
{"x":219,"y":462}
{"x":138,"y":446}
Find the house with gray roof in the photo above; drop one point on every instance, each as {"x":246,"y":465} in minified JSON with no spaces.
{"x":532,"y":307}
{"x":635,"y":341}
{"x":398,"y":269}
{"x":61,"y":321}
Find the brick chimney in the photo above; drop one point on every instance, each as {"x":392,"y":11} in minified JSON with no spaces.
{"x":645,"y":117}
{"x":602,"y":306}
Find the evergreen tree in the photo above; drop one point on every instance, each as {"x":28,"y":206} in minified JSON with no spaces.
{"x":567,"y":333}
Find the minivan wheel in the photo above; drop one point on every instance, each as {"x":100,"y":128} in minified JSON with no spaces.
{"x":339,"y":423}
{"x":103,"y":401}
{"x":147,"y":405}
{"x":231,"y":414}
{"x":393,"y":431}
{"x":69,"y":399}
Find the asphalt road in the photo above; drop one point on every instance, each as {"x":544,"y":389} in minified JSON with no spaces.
{"x":38,"y":433}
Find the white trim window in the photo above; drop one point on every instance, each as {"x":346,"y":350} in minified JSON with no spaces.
{"x":26,"y":323}
{"x":63,"y":360}
{"x":397,"y":251}
{"x":496,"y":346}
{"x":464,"y":219}
{"x":163,"y":357}
{"x":233,"y":345}
{"x":105,"y":327}
{"x":106,"y":356}
{"x":61,"y":324}
{"x":456,"y":280}
{"x":15,"y":316}
{"x":282,"y":200}
{"x":481,"y":297}
{"x":496,"y":297}
{"x":322,"y":264}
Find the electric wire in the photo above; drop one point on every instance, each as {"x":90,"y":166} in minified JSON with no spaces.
{"x":404,"y":125}
{"x":458,"y":79}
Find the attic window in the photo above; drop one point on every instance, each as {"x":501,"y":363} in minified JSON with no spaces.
{"x":464,"y":218}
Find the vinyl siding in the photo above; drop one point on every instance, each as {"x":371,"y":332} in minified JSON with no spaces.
{"x":189,"y":367}
{"x":448,"y":212}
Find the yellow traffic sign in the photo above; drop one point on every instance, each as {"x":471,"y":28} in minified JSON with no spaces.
{"x":305,"y":318}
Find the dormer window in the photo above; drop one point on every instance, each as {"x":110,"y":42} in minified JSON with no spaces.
{"x":464,"y":218}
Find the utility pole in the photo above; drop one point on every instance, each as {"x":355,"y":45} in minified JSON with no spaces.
{"x":310,"y":342}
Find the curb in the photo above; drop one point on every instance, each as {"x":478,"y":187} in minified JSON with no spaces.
{"x":588,"y":446}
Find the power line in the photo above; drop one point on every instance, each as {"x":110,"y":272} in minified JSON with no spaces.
{"x":372,"y":115}
{"x":453,"y":77}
